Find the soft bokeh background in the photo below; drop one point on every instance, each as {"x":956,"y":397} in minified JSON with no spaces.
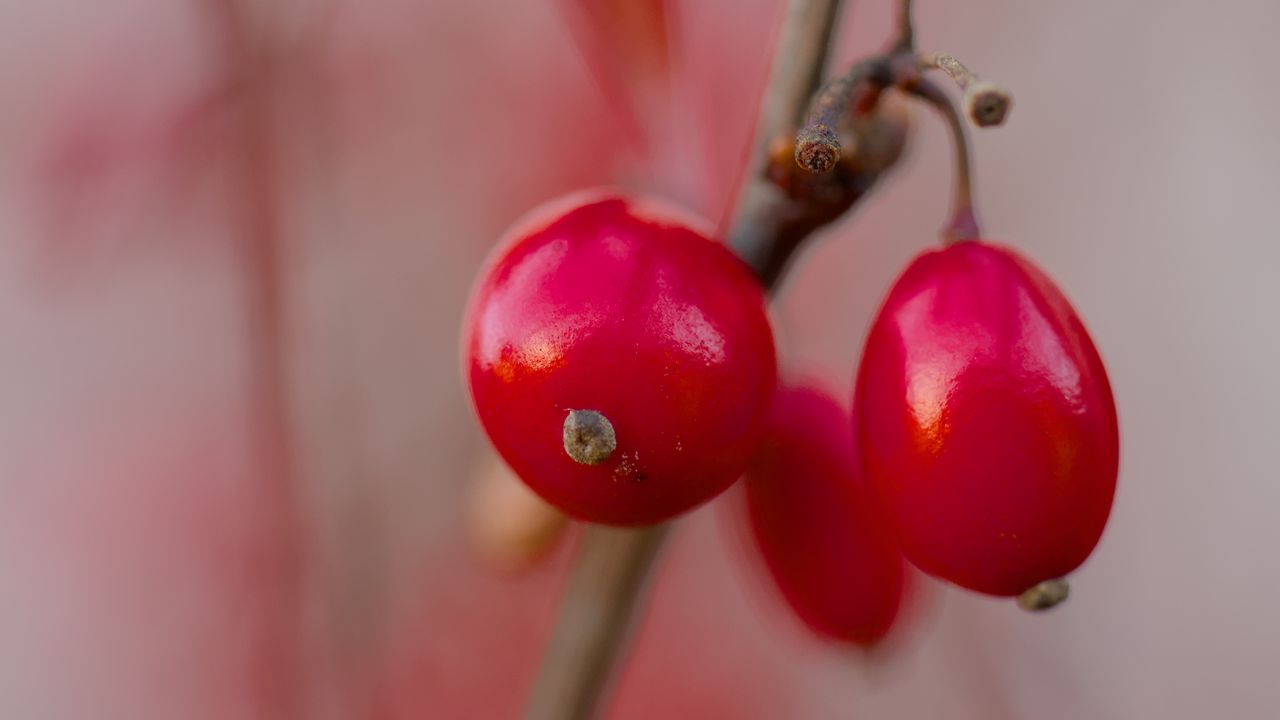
{"x":163,"y":554}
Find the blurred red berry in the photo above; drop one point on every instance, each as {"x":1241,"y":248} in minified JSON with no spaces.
{"x":986,"y":421}
{"x":816,"y":522}
{"x":611,"y":326}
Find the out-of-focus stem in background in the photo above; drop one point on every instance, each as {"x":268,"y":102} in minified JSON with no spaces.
{"x":251,"y":73}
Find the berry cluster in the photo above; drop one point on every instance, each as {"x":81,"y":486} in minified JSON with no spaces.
{"x":621,"y":361}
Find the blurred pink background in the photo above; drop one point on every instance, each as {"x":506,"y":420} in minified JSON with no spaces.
{"x":161,"y":555}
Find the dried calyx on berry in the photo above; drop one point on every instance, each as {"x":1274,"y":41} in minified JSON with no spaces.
{"x":589,"y":437}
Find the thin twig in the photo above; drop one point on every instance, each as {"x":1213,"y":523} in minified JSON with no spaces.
{"x":595,"y":617}
{"x":614,"y":564}
{"x":948,"y":64}
{"x":277,"y":660}
{"x":780,"y":208}
{"x":906,"y":27}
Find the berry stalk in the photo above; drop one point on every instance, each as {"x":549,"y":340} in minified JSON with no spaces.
{"x":277,"y":660}
{"x":964,"y":220}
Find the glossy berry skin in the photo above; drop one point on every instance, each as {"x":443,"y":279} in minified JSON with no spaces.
{"x":816,"y":522}
{"x":986,"y":421}
{"x":618,"y":306}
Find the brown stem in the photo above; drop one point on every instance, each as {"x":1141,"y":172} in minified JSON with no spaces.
{"x":770,"y":224}
{"x":964,"y":222}
{"x":906,"y":27}
{"x":614,"y":564}
{"x":277,"y":662}
{"x":595,"y":617}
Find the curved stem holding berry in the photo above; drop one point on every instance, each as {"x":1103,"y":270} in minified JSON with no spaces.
{"x":817,"y":147}
{"x":818,"y":150}
{"x":817,"y":144}
{"x":964,"y":221}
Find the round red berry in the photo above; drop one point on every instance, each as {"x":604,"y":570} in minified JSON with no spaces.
{"x":986,"y":421}
{"x":620,"y":360}
{"x":817,"y":524}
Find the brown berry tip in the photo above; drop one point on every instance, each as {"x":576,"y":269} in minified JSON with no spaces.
{"x":817,"y":149}
{"x":986,"y":103}
{"x":589,"y":437}
{"x":1047,"y":594}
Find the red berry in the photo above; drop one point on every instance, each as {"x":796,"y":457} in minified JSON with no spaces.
{"x":615,"y":333}
{"x":817,"y":524}
{"x":986,"y":421}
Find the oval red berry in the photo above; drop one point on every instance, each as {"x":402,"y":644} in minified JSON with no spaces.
{"x":986,"y":421}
